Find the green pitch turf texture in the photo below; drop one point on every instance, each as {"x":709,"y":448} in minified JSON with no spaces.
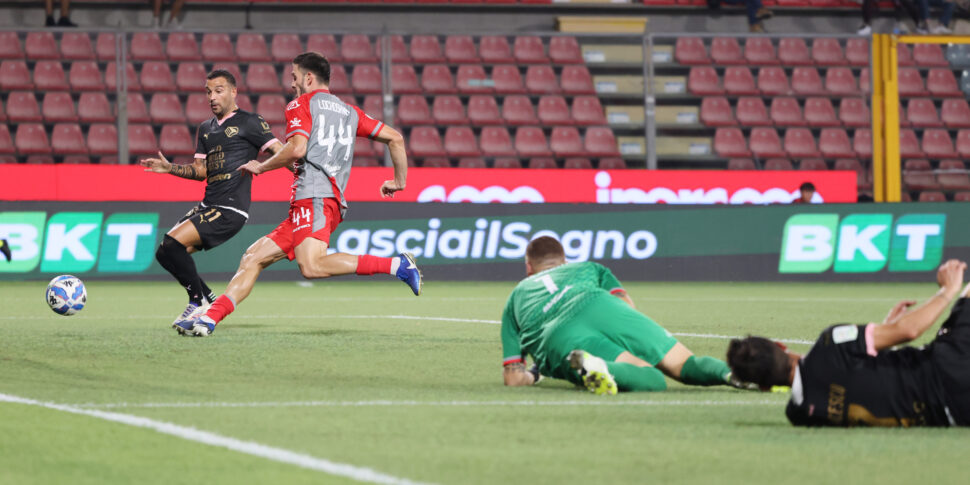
{"x":364,"y":374}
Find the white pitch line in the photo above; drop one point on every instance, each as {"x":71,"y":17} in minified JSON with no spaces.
{"x":281,"y":455}
{"x":387,"y":403}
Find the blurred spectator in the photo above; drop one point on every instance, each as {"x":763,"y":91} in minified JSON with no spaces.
{"x":173,"y":21}
{"x":808,"y":191}
{"x":755,"y":9}
{"x":947,"y":7}
{"x":65,"y":20}
{"x":870,"y":6}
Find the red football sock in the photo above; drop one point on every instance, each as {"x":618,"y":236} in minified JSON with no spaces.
{"x":221,"y":308}
{"x":368,"y":265}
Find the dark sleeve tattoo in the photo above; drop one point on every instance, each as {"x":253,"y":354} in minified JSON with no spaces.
{"x":185,"y":171}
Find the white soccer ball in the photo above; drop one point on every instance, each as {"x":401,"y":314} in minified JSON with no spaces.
{"x":66,"y":295}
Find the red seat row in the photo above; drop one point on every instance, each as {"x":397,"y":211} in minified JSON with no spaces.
{"x":760,"y":51}
{"x":785,"y":111}
{"x":101,"y":139}
{"x":611,"y":163}
{"x":495,"y":141}
{"x":806,"y":81}
{"x":484,"y":110}
{"x":952,"y":175}
{"x":835,"y":143}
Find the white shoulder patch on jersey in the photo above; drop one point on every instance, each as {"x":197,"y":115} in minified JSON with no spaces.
{"x":845,"y":333}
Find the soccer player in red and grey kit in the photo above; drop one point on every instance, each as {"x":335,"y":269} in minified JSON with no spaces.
{"x":320,"y":134}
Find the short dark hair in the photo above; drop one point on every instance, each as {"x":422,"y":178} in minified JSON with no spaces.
{"x":314,"y":63}
{"x":544,"y":248}
{"x":224,"y":74}
{"x":758,"y":360}
{"x":807,"y":186}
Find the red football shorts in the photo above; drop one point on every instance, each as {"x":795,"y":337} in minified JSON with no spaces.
{"x":316,"y":218}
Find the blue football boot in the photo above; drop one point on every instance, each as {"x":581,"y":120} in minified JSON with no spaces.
{"x":409,"y":273}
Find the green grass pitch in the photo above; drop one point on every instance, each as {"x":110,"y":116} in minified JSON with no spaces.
{"x":364,"y":374}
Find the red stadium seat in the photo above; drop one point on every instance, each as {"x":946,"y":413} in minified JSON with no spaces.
{"x":587,"y":111}
{"x":137,"y":108}
{"x":104,"y":47}
{"x":252,"y":48}
{"x":739,"y":81}
{"x":921,"y":113}
{"x":404,"y":80}
{"x":414,"y":110}
{"x":864,"y":81}
{"x":929,"y":55}
{"x":356,"y":48}
{"x":703,"y":81}
{"x":218,"y":48}
{"x":460,"y":49}
{"x":495,"y":50}
{"x":903,"y":55}
{"x":374,"y":106}
{"x":191,"y":77}
{"x":857,"y":52}
{"x":425,"y":49}
{"x":531,"y":142}
{"x":233,"y":69}
{"x":553,"y":110}
{"x":22,"y":106}
{"x":176,"y":140}
{"x":517,"y":110}
{"x":436,"y":79}
{"x":326,"y":45}
{"x":938,"y":145}
{"x":10,"y":46}
{"x":961,"y":197}
{"x":77,"y":159}
{"x":778,"y":164}
{"x":529,"y":49}
{"x":49,"y":76}
{"x":6,"y":142}
{"x":800,"y":143}
{"x":909,"y":145}
{"x":772,"y":81}
{"x":730,"y":142}
{"x":3,"y":113}
{"x":40,"y":159}
{"x":815,"y":164}
{"x":425,"y":141}
{"x":262,"y":78}
{"x":853,"y":112}
{"x":166,"y":108}
{"x":542,"y":163}
{"x":911,"y":83}
{"x":31,"y":139}
{"x":819,"y":112}
{"x":765,"y":143}
{"x":448,"y":110}
{"x":827,"y":52}
{"x":436,"y":163}
{"x":942,"y":82}
{"x":834,"y":143}
{"x":577,"y":80}
{"x":805,"y":81}
{"x":862,"y":143}
{"x":85,"y":76}
{"x":103,"y":139}
{"x":507,"y":79}
{"x":67,"y":139}
{"x":579,"y":163}
{"x":95,"y":108}
{"x":507,"y":162}
{"x":953,"y":175}
{"x":716,"y":111}
{"x":726,"y":50}
{"x":399,"y":49}
{"x":759,"y":51}
{"x":565,"y":50}
{"x":472,"y":162}
{"x":147,"y":46}
{"x":181,"y":46}
{"x":840,"y":81}
{"x":541,"y":80}
{"x":473,"y":80}
{"x":751,"y":111}
{"x":156,"y":76}
{"x":483,"y":110}
{"x":363,"y":148}
{"x":794,"y":52}
{"x":612,"y":163}
{"x":59,"y":107}
{"x":460,"y":142}
{"x":75,"y":46}
{"x":691,"y":51}
{"x":110,"y":77}
{"x":339,"y":81}
{"x":141,"y":140}
{"x":931,"y":196}
{"x":786,"y":112}
{"x":963,"y":143}
{"x":287,"y":46}
{"x":853,"y":165}
{"x":496,"y":142}
{"x":270,"y":106}
{"x":566,"y":142}
{"x":40,"y":45}
{"x":600,"y":142}
{"x":955,"y":113}
{"x":366,"y":79}
{"x":741,"y":164}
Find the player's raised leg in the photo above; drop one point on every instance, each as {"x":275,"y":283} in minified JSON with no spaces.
{"x":311,"y":255}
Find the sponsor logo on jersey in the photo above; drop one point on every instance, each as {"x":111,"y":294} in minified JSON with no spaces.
{"x":295,"y":104}
{"x":295,"y":123}
{"x":232,"y":131}
{"x":265,"y":126}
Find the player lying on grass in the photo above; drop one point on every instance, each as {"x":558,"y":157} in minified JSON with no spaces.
{"x":852,"y":376}
{"x":225,"y":142}
{"x":320,"y":135}
{"x":579,"y":324}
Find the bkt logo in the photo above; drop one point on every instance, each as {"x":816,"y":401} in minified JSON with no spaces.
{"x":74,"y":242}
{"x":862,"y":243}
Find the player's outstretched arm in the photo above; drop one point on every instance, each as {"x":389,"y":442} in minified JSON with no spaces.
{"x":193,"y":171}
{"x":399,"y":158}
{"x":516,"y":375}
{"x":283,"y":156}
{"x":908,"y":326}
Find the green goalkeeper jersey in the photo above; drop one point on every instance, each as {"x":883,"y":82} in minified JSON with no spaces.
{"x":544,"y":300}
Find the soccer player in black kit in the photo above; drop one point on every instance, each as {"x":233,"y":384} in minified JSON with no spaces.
{"x":230,"y":139}
{"x":852,"y":375}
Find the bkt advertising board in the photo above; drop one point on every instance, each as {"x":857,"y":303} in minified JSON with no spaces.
{"x":828,"y":242}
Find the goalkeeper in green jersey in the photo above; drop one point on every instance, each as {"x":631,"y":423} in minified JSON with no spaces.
{"x":578,"y":323}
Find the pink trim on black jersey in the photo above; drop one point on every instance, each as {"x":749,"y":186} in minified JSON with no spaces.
{"x":220,"y":122}
{"x":267,"y":144}
{"x":870,"y":340}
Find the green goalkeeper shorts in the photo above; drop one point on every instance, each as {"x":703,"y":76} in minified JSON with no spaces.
{"x":605,"y":328}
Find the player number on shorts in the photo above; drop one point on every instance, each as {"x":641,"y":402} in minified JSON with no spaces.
{"x":330,"y":138}
{"x":210,"y":216}
{"x":550,"y":285}
{"x":302,"y":213}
